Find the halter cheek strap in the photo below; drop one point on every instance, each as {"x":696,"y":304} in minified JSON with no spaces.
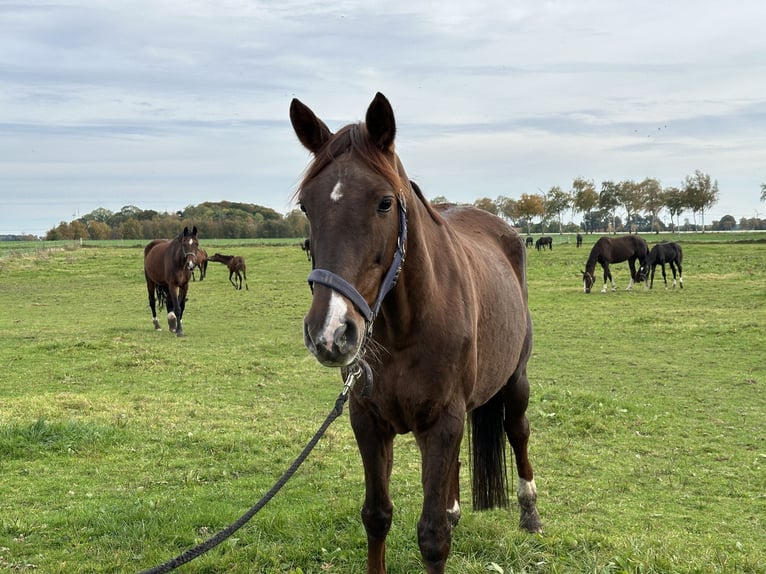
{"x":339,"y":284}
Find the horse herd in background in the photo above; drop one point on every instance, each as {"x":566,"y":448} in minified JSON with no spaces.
{"x":169,"y":265}
{"x":630,"y":248}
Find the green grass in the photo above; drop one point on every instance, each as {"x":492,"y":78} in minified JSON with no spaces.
{"x":121,"y":447}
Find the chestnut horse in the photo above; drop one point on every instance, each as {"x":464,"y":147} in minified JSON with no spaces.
{"x":168,"y":265}
{"x":201,"y":264}
{"x":606,"y":250}
{"x":237,"y":268}
{"x":445,"y":333}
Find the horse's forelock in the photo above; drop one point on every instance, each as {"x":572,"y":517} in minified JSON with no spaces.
{"x":354,"y":139}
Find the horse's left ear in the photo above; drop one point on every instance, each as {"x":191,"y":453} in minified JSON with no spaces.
{"x":194,"y":230}
{"x":186,"y":231}
{"x":380,"y":122}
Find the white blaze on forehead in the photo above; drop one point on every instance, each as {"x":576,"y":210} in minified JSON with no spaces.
{"x":191,"y":241}
{"x":337,"y":191}
{"x":336,"y":317}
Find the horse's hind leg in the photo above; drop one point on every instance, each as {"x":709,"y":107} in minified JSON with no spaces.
{"x":516,"y":399}
{"x":680,"y":275}
{"x":673,"y":270}
{"x":153,"y":305}
{"x":664,"y":276}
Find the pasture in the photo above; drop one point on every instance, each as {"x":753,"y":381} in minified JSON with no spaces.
{"x":121,"y":447}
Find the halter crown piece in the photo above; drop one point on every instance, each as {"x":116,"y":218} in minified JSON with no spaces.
{"x":339,"y":284}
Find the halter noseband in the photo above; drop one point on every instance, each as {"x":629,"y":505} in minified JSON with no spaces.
{"x":337,"y":283}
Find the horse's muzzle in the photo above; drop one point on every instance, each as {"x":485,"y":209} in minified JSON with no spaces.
{"x":333,"y":347}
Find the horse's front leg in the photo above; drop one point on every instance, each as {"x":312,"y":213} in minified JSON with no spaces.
{"x":607,"y":278}
{"x":439,"y":448}
{"x":376,"y":445}
{"x":179,"y":305}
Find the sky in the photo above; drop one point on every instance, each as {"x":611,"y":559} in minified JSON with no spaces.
{"x":162,"y":104}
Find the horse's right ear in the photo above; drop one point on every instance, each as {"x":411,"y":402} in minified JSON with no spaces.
{"x":312,"y":132}
{"x":186,"y":231}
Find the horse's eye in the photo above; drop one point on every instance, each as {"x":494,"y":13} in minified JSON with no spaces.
{"x":302,"y":207}
{"x":385,"y":205}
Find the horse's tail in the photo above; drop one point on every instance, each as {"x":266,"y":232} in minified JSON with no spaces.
{"x":490,"y":482}
{"x":680,"y":254}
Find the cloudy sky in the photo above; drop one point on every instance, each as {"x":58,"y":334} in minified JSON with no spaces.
{"x":162,"y":104}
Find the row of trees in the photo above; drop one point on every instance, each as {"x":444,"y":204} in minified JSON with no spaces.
{"x":220,"y":220}
{"x":642,"y":203}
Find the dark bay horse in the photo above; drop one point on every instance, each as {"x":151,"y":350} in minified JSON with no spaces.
{"x":579,"y":240}
{"x":606,"y":250}
{"x":168,"y":265}
{"x":237,"y":268}
{"x":529,"y":242}
{"x":431,"y":360}
{"x":306,"y":246}
{"x":544,"y":242}
{"x":663,"y":253}
{"x":201,"y":264}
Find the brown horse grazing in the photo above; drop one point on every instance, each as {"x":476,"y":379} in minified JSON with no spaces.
{"x":667,"y":252}
{"x":201,"y":264}
{"x":579,"y":240}
{"x":168,"y":265}
{"x":444,"y":333}
{"x":606,"y":250}
{"x":237,"y":268}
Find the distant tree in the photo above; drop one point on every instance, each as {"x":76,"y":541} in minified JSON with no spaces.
{"x":727,"y":223}
{"x":701,"y":193}
{"x":674,"y":201}
{"x":486,"y":204}
{"x":528,"y":207}
{"x":585,"y":197}
{"x":440,"y":199}
{"x":609,"y":201}
{"x":653,"y":200}
{"x":98,"y":229}
{"x":507,"y":208}
{"x":556,"y":202}
{"x":632,"y":201}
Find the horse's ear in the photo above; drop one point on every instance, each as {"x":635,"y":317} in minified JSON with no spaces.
{"x":380,"y":122}
{"x":312,"y":132}
{"x":194,"y":230}
{"x":186,"y":231}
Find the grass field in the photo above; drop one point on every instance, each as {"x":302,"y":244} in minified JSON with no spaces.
{"x":121,"y":447}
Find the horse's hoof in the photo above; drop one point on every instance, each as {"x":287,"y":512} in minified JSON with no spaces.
{"x":179,"y":333}
{"x":530,"y":521}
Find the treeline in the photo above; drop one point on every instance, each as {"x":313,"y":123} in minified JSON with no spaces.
{"x":220,"y":220}
{"x":619,"y":206}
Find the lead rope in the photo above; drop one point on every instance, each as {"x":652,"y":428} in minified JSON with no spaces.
{"x":354,"y":373}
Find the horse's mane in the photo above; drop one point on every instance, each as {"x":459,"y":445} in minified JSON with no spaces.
{"x":355,"y":139}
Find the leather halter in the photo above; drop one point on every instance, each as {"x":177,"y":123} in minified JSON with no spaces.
{"x":339,"y":284}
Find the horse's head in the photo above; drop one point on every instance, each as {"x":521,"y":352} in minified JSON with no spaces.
{"x":587,"y":281}
{"x":353,"y":195}
{"x":190,"y":247}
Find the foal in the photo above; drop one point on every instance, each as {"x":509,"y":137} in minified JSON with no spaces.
{"x":236,"y":265}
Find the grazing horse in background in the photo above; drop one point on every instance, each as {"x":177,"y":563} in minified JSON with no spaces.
{"x":237,"y":268}
{"x":168,"y":265}
{"x":530,"y":242}
{"x":427,"y":362}
{"x":306,"y":246}
{"x":579,"y":240}
{"x":662,"y":253}
{"x":544,"y":242}
{"x":606,"y":250}
{"x":201,"y":264}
